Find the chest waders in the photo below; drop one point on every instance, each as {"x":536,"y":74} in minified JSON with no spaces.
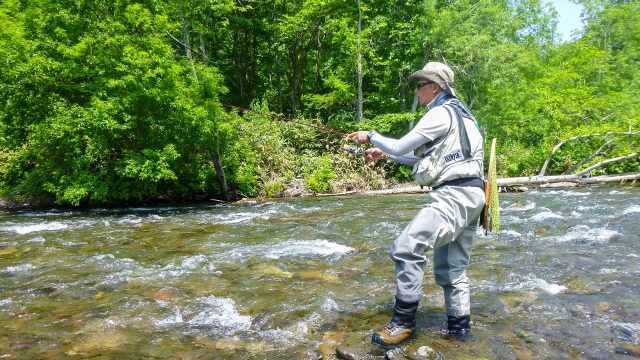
{"x":446,"y":225}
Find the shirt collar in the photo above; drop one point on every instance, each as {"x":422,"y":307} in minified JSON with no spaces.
{"x":437,"y":100}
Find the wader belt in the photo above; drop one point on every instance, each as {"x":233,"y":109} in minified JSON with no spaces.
{"x":473,"y":181}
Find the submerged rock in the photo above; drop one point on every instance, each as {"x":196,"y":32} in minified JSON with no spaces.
{"x":313,"y":355}
{"x":582,"y":285}
{"x":395,"y":354}
{"x":628,"y":349}
{"x":332,"y":337}
{"x":614,"y":311}
{"x":514,"y":299}
{"x":326,"y":351}
{"x":95,"y":342}
{"x":348,"y":353}
{"x":317,"y":275}
{"x":421,"y":353}
{"x":8,"y":251}
{"x":233,"y":345}
{"x":542,"y":231}
{"x":270,"y":270}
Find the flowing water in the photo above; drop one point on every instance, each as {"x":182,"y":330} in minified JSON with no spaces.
{"x":284,"y":279}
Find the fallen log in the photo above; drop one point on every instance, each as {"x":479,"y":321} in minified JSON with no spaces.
{"x":541,"y":180}
{"x":397,"y":190}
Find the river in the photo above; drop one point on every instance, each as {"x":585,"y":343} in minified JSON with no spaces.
{"x":285,"y":279}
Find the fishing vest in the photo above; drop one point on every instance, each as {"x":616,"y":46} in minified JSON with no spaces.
{"x":457,"y":154}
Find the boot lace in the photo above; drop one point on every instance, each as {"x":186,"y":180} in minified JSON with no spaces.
{"x":391,"y":328}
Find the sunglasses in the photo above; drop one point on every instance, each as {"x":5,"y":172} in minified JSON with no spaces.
{"x":419,"y":85}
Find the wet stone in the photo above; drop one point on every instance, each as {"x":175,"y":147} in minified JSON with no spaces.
{"x":628,"y":349}
{"x":423,"y":353}
{"x":332,"y":337}
{"x":317,"y":275}
{"x":612,"y":310}
{"x":395,"y":354}
{"x":8,"y":251}
{"x":414,"y":353}
{"x":163,"y":295}
{"x":23,"y":343}
{"x":515,"y":299}
{"x":349,"y":353}
{"x":98,"y":341}
{"x":624,"y":331}
{"x":313,"y":355}
{"x":326,"y":351}
{"x":582,"y":286}
{"x":46,"y":290}
{"x":271,"y":270}
{"x":328,"y":327}
{"x":8,"y":274}
{"x":98,"y":314}
{"x":542,"y":232}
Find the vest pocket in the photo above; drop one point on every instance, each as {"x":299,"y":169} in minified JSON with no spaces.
{"x":427,"y":169}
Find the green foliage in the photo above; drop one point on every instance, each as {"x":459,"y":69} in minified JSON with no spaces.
{"x":111,"y":115}
{"x":403,"y":174}
{"x":100,"y":104}
{"x":273,"y":189}
{"x":393,"y":125}
{"x":318,"y":174}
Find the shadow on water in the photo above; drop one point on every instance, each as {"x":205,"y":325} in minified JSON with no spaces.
{"x":295,"y":279}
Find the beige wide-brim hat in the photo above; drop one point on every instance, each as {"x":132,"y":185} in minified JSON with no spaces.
{"x":437,"y":72}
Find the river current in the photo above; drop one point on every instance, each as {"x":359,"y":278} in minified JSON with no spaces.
{"x":292,"y":279}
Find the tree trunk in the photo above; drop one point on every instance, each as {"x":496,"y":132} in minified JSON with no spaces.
{"x":414,"y":107}
{"x":359,"y":115}
{"x":217,"y":160}
{"x":402,"y":95}
{"x":187,"y":46}
{"x":507,"y":182}
{"x":541,"y":180}
{"x":277,"y":59}
{"x":217,"y":164}
{"x":294,"y":58}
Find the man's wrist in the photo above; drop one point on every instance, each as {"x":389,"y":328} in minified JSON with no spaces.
{"x":371,"y":133}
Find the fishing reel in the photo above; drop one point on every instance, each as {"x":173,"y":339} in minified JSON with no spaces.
{"x":355,"y":150}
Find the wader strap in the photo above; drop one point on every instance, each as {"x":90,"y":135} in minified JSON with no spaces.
{"x":469,"y":182}
{"x":465,"y":144}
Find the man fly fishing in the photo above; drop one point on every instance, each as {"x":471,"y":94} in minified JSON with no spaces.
{"x":446,"y":151}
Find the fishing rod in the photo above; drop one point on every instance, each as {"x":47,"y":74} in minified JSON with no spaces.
{"x":355,"y":150}
{"x":284,"y":119}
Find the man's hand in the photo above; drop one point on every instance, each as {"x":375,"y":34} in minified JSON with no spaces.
{"x":373,"y":155}
{"x":361,"y":137}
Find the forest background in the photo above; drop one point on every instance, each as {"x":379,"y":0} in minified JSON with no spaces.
{"x":121,"y":101}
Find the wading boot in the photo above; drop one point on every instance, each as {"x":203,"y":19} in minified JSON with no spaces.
{"x":458,"y":325}
{"x":401,"y":327}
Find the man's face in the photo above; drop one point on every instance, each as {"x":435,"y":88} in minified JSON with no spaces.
{"x":426,"y":91}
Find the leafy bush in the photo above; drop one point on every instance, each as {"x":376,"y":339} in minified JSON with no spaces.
{"x":273,"y":189}
{"x":111,"y":116}
{"x":319,"y":173}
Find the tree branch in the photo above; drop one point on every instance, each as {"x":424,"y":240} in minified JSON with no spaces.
{"x":558,"y":145}
{"x":628,"y":156}
{"x":586,"y":160}
{"x":183,"y":44}
{"x":541,"y":180}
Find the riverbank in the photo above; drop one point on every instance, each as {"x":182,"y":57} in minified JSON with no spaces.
{"x":297,"y":189}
